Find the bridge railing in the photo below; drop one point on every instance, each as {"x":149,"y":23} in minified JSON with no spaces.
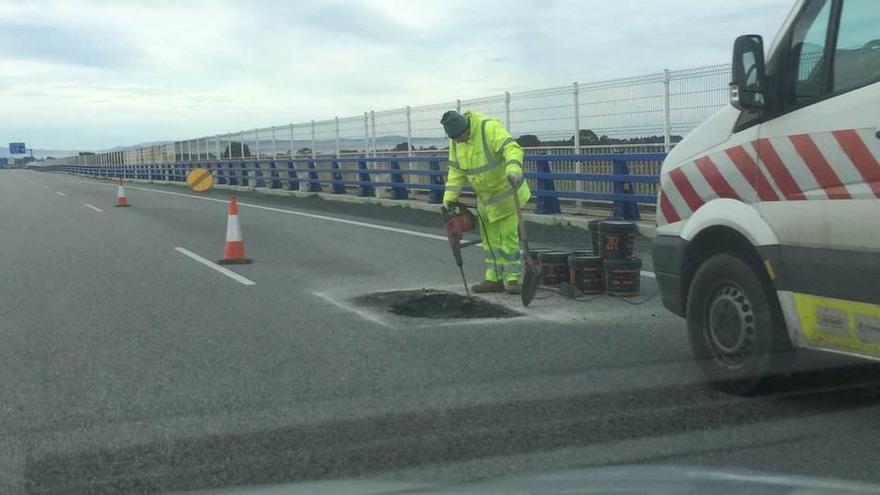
{"x":399,"y":178}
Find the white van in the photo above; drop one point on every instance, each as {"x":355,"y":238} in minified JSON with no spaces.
{"x":768,"y":216}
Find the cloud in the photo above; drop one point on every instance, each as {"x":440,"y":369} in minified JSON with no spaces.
{"x":174,"y":70}
{"x":62,"y":45}
{"x":350,"y":19}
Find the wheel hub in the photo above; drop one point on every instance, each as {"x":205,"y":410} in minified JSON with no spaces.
{"x":731,"y":325}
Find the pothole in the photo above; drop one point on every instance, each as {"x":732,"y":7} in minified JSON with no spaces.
{"x":430,"y":303}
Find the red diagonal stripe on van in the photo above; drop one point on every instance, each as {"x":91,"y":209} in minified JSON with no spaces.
{"x":668,"y":210}
{"x":819,"y":166}
{"x":861,"y":157}
{"x":717,"y":181}
{"x":749,"y":169}
{"x":778,"y":171}
{"x":686,"y":190}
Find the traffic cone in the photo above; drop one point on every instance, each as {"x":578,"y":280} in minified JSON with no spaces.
{"x":121,"y":200}
{"x":233,"y":253}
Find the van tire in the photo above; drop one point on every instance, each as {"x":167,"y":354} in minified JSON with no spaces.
{"x":734,"y":324}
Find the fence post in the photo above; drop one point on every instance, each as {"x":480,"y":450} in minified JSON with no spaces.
{"x":458,"y":105}
{"x":337,"y":187}
{"x":373,"y":147}
{"x":366,"y":135}
{"x":292,"y":151}
{"x":221,"y":178}
{"x":273,"y":144}
{"x":624,"y":209}
{"x":313,"y":176}
{"x":314,"y":153}
{"x":667,"y":117}
{"x":409,"y":146}
{"x":233,"y":179}
{"x":244,"y":177}
{"x":364,"y":165}
{"x":365,"y":190}
{"x":273,"y":171}
{"x":507,"y":110}
{"x":292,"y":184}
{"x":547,"y":203}
{"x":336,"y":121}
{"x":579,"y":164}
{"x":258,"y":175}
{"x":397,"y":192}
{"x":435,"y":196}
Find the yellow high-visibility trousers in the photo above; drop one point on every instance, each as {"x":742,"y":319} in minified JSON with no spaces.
{"x":501,"y":245}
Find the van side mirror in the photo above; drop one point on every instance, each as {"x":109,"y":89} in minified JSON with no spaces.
{"x":749,"y":76}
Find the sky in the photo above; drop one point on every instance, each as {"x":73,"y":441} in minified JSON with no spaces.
{"x":93,"y":75}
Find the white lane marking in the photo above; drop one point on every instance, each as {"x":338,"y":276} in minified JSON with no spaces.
{"x":60,"y":193}
{"x":94,"y":208}
{"x":351,"y":309}
{"x":320,"y":217}
{"x":648,"y":274}
{"x":215,"y":266}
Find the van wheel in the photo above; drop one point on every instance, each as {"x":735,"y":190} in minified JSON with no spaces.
{"x":734,"y":326}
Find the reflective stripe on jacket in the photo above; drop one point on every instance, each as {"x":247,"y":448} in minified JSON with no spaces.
{"x":484,"y":162}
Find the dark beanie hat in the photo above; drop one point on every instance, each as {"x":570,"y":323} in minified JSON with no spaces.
{"x":454,"y":123}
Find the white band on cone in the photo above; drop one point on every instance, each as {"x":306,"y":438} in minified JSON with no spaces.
{"x":233,"y":229}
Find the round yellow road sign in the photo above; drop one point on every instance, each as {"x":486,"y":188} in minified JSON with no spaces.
{"x":200,"y":179}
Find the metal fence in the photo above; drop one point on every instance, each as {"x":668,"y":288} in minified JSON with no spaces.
{"x":644,"y":114}
{"x":369,"y":176}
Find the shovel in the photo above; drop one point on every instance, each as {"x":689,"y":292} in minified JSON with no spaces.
{"x":531,"y":273}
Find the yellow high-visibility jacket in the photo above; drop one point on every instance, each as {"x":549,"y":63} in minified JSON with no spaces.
{"x":483,"y":162}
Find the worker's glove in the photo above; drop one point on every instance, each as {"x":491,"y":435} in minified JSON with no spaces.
{"x":515,"y":179}
{"x":446,"y":207}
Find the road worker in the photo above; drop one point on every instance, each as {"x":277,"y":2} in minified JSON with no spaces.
{"x":484,"y":156}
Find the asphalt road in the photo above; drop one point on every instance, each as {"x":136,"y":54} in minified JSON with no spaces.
{"x":130,"y":367}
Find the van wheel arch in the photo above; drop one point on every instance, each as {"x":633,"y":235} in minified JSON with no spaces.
{"x":716,"y":240}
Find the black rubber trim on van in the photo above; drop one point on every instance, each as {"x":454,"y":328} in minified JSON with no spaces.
{"x":834,"y":273}
{"x":668,"y":256}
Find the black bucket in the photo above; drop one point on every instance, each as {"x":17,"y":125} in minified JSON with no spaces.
{"x":617,"y":239}
{"x":585,"y":272}
{"x":623,"y":277}
{"x":594,"y":234}
{"x":582,"y":252}
{"x":535,"y":253}
{"x":554,"y":267}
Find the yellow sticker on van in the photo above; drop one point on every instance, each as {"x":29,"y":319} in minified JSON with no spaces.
{"x":839,"y":324}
